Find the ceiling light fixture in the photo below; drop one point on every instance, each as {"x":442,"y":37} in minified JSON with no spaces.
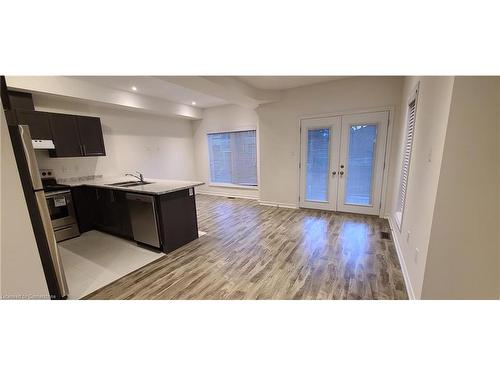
{"x":134,"y":88}
{"x":193,"y":103}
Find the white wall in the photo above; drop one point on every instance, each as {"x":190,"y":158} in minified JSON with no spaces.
{"x":159,"y":147}
{"x":279,"y":125}
{"x":21,"y":268}
{"x":463,"y":255}
{"x":430,"y":129}
{"x":224,"y":118}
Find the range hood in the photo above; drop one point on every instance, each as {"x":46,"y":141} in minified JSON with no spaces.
{"x":43,"y":144}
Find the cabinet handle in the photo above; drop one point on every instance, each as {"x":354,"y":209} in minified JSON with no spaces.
{"x":81,"y":150}
{"x":84,"y":150}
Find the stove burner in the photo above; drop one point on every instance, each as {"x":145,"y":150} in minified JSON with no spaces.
{"x":50,"y":184}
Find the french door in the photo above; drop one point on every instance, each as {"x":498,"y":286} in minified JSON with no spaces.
{"x":342,"y":162}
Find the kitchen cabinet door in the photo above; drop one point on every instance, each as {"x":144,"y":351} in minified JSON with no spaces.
{"x":123,"y":214}
{"x":65,"y":135}
{"x":21,"y":100}
{"x":177,"y":219}
{"x":107,"y":216}
{"x":84,"y":199}
{"x":100,"y":220}
{"x":39,"y":123}
{"x":113,"y":219}
{"x":91,"y":139}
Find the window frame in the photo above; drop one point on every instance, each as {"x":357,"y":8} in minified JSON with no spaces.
{"x":399,"y":215}
{"x":229,"y":184}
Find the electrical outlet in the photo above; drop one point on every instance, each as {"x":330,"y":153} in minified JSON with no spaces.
{"x":408,"y":234}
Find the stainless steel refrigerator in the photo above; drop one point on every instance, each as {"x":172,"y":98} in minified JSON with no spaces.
{"x":37,"y":187}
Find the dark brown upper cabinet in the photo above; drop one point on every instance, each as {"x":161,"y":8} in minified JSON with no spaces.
{"x":39,"y":123}
{"x":21,"y":100}
{"x":76,"y":136}
{"x":65,"y":135}
{"x":90,"y":131}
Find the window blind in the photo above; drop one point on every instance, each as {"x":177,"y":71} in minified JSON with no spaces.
{"x":405,"y":169}
{"x":233,"y":157}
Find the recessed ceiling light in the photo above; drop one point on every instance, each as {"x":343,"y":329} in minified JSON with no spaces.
{"x":193,"y":103}
{"x":134,"y":88}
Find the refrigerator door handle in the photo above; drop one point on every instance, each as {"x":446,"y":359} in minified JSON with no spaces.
{"x":29,"y":153}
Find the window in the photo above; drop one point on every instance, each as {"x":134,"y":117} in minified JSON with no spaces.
{"x":233,"y":157}
{"x":405,"y":169}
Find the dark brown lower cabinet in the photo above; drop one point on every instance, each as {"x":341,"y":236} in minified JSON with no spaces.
{"x":112,"y":214}
{"x":85,"y":202}
{"x":177,"y":218}
{"x":102,"y":209}
{"x":107,"y":210}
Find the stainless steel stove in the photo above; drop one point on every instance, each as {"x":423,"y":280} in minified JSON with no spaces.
{"x":60,"y":204}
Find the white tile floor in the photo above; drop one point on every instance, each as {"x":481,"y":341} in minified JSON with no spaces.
{"x":96,"y":259}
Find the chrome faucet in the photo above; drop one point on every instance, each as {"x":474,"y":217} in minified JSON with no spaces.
{"x":139,"y":176}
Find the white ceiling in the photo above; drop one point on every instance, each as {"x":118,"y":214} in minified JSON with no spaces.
{"x":205,"y":91}
{"x":157,"y":88}
{"x":285,"y":82}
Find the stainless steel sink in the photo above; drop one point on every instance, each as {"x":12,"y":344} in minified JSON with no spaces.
{"x":130,"y":183}
{"x":121,"y":183}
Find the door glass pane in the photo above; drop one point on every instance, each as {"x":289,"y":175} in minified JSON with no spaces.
{"x":318,"y":164}
{"x":360,"y":163}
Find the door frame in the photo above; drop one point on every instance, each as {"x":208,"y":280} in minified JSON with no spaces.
{"x":392,"y":113}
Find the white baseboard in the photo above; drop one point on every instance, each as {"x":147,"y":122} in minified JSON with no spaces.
{"x":220,"y":194}
{"x":278,"y":204}
{"x":406,"y":276}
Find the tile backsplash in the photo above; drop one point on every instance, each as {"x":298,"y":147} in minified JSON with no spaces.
{"x":67,"y":180}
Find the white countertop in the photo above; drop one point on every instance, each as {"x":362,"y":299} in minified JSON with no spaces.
{"x":156,"y":187}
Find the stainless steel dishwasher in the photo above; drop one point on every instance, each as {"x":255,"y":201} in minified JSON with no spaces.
{"x":143,"y":217}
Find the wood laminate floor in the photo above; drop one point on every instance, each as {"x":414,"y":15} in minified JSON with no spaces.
{"x":258,"y":252}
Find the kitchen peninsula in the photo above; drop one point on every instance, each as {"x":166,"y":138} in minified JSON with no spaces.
{"x":158,"y":213}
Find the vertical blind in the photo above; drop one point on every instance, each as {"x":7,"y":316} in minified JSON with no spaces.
{"x":233,"y":157}
{"x":410,"y":131}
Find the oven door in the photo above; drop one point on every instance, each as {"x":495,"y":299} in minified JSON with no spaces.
{"x":60,"y":208}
